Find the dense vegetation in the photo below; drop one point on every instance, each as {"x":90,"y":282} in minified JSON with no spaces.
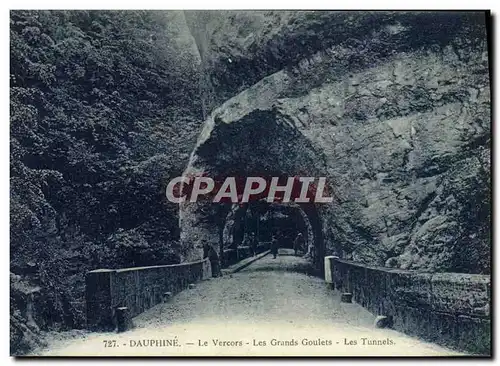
{"x":104,"y":110}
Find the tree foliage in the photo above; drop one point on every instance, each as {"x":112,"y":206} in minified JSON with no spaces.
{"x":104,"y":111}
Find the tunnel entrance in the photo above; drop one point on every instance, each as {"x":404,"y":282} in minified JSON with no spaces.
{"x":260,"y":144}
{"x":251,"y":227}
{"x":257,"y":222}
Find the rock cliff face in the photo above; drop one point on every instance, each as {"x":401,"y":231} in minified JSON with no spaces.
{"x":393,"y":108}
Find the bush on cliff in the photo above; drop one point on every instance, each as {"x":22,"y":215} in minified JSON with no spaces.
{"x":100,"y":102}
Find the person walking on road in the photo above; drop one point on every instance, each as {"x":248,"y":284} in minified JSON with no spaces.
{"x":209,"y":251}
{"x":298,"y":244}
{"x":274,"y":246}
{"x":254,"y":244}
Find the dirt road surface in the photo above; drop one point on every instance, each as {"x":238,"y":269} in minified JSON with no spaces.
{"x":270,"y":308}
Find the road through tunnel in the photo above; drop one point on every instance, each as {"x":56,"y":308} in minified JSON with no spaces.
{"x":262,"y":144}
{"x":253,"y":225}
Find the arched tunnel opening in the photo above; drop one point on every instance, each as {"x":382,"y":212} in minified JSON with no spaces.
{"x":256,"y":223}
{"x":260,"y":144}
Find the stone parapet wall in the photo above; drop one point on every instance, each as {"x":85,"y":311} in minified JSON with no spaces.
{"x":232,"y":256}
{"x":137,"y":289}
{"x":451,"y":309}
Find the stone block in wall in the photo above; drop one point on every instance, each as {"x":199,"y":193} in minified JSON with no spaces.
{"x":340,"y":277}
{"x":410,"y":289}
{"x":230,"y":257}
{"x":243,"y":252}
{"x":98,"y":298}
{"x":356,"y":277}
{"x":460,"y":293}
{"x":443,"y":329}
{"x":375,"y":291}
{"x":413,"y":321}
{"x":473,"y":334}
{"x":263,"y":246}
{"x":329,"y":264}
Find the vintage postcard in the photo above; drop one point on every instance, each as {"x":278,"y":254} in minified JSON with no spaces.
{"x":250,"y":183}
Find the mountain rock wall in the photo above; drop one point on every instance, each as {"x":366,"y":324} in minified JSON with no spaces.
{"x":393,"y":109}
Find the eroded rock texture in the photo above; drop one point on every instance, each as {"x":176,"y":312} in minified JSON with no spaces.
{"x":393,"y":108}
